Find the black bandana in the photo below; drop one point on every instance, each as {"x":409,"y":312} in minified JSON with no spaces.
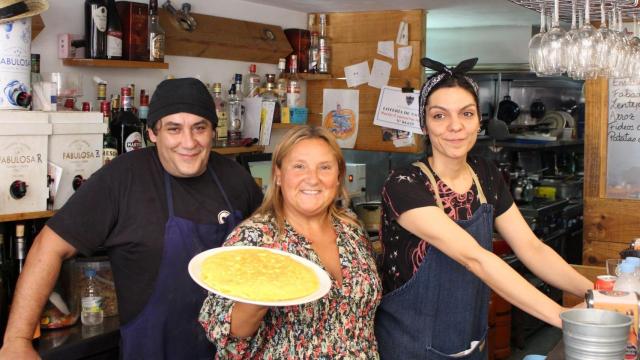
{"x":443,"y":73}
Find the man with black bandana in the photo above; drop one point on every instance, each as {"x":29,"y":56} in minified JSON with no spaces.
{"x":152,"y":210}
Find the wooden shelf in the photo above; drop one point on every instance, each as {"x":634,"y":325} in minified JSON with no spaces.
{"x":311,"y":76}
{"x":26,"y":216}
{"x":115,"y":63}
{"x":238,"y":149}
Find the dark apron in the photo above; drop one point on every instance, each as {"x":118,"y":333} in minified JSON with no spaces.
{"x":443,"y":307}
{"x":167,"y":327}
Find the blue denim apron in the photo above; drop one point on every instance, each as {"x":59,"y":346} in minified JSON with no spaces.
{"x":167,"y":327}
{"x":443,"y":307}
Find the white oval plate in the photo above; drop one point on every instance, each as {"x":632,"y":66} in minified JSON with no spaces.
{"x":323,"y":278}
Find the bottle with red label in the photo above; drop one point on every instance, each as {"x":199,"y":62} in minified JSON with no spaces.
{"x":127,"y":127}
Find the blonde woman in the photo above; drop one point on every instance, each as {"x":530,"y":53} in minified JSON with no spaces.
{"x":300,"y":214}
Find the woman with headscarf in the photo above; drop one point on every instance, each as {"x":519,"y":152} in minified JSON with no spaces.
{"x":301,"y":214}
{"x":438,"y":220}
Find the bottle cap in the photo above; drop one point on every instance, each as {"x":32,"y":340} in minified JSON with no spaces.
{"x":252,"y":68}
{"x":20,"y":230}
{"x":86,"y":106}
{"x":105,"y":106}
{"x":89,"y":272}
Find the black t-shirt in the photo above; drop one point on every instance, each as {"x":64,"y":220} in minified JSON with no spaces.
{"x":123,"y":208}
{"x":409,"y":188}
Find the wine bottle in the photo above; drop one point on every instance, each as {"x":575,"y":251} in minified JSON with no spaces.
{"x":109,"y":142}
{"x":128,"y":127}
{"x":95,"y":23}
{"x":20,"y":247}
{"x":114,"y":32}
{"x":156,"y":34}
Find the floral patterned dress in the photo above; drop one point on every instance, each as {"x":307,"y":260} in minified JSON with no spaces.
{"x":337,"y":326}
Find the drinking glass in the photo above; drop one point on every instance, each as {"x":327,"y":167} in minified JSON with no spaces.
{"x":634,"y":54}
{"x":612,"y":266}
{"x":589,"y":42}
{"x":621,"y":49}
{"x":536,"y":62}
{"x":605,"y":58}
{"x":553,"y":46}
{"x":571,"y":54}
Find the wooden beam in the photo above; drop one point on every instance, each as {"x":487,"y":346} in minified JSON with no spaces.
{"x":223,"y":38}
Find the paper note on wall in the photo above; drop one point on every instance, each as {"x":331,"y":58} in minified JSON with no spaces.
{"x":385,"y":48}
{"x":403,"y":34}
{"x":357,"y":74}
{"x":340,"y":110}
{"x":404,"y":57}
{"x":380,"y":73}
{"x":398,"y":110}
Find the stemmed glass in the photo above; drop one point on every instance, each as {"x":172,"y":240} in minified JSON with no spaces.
{"x":571,"y":54}
{"x":535,"y":50}
{"x":553,"y":46}
{"x":589,"y":42}
{"x":605,"y":59}
{"x":634,"y":55}
{"x":621,"y":48}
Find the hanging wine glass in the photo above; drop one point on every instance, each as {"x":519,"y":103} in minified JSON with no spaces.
{"x":536,"y":62}
{"x":606,"y":61}
{"x":571,"y":54}
{"x":589,"y":41}
{"x":634,"y":54}
{"x":621,"y":48}
{"x":553,"y":45}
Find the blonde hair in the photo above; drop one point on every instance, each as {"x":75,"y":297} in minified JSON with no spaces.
{"x":273,"y":203}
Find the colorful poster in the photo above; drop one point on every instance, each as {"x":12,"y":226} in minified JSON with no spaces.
{"x":340,"y":115}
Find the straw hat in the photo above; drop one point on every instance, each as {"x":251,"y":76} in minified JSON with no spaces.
{"x":12,"y":10}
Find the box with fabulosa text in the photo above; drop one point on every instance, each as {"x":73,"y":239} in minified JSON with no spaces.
{"x":23,"y":161}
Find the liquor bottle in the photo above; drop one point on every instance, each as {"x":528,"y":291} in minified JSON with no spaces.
{"x":36,"y":77}
{"x":95,"y":24}
{"x":270,"y":97}
{"x":101,"y":87}
{"x":114,"y":32}
{"x":314,"y":49}
{"x":237,"y":79}
{"x":252,"y":83}
{"x":156,"y":34}
{"x":235,"y":117}
{"x":20,"y":248}
{"x":324,"y":49}
{"x":223,"y":120}
{"x":109,"y":142}
{"x":92,"y":312}
{"x":281,"y":82}
{"x":293,"y":87}
{"x":128,"y":127}
{"x":143,"y":113}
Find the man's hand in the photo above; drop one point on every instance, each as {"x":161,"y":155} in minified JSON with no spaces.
{"x":18,"y":349}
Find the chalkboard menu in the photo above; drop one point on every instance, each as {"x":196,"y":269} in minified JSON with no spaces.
{"x":623,"y":135}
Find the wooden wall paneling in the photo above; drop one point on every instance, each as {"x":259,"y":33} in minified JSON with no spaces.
{"x":354,"y":27}
{"x":595,"y":137}
{"x":609,"y":224}
{"x":354,"y":53}
{"x":224,"y":38}
{"x":354,"y":39}
{"x":591,"y":273}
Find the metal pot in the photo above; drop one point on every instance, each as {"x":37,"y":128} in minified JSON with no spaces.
{"x":508,"y":110}
{"x":369,"y":213}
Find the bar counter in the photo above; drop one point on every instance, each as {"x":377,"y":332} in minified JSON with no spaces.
{"x":81,"y":342}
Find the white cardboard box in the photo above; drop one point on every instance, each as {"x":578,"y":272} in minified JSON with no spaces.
{"x":23,"y":158}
